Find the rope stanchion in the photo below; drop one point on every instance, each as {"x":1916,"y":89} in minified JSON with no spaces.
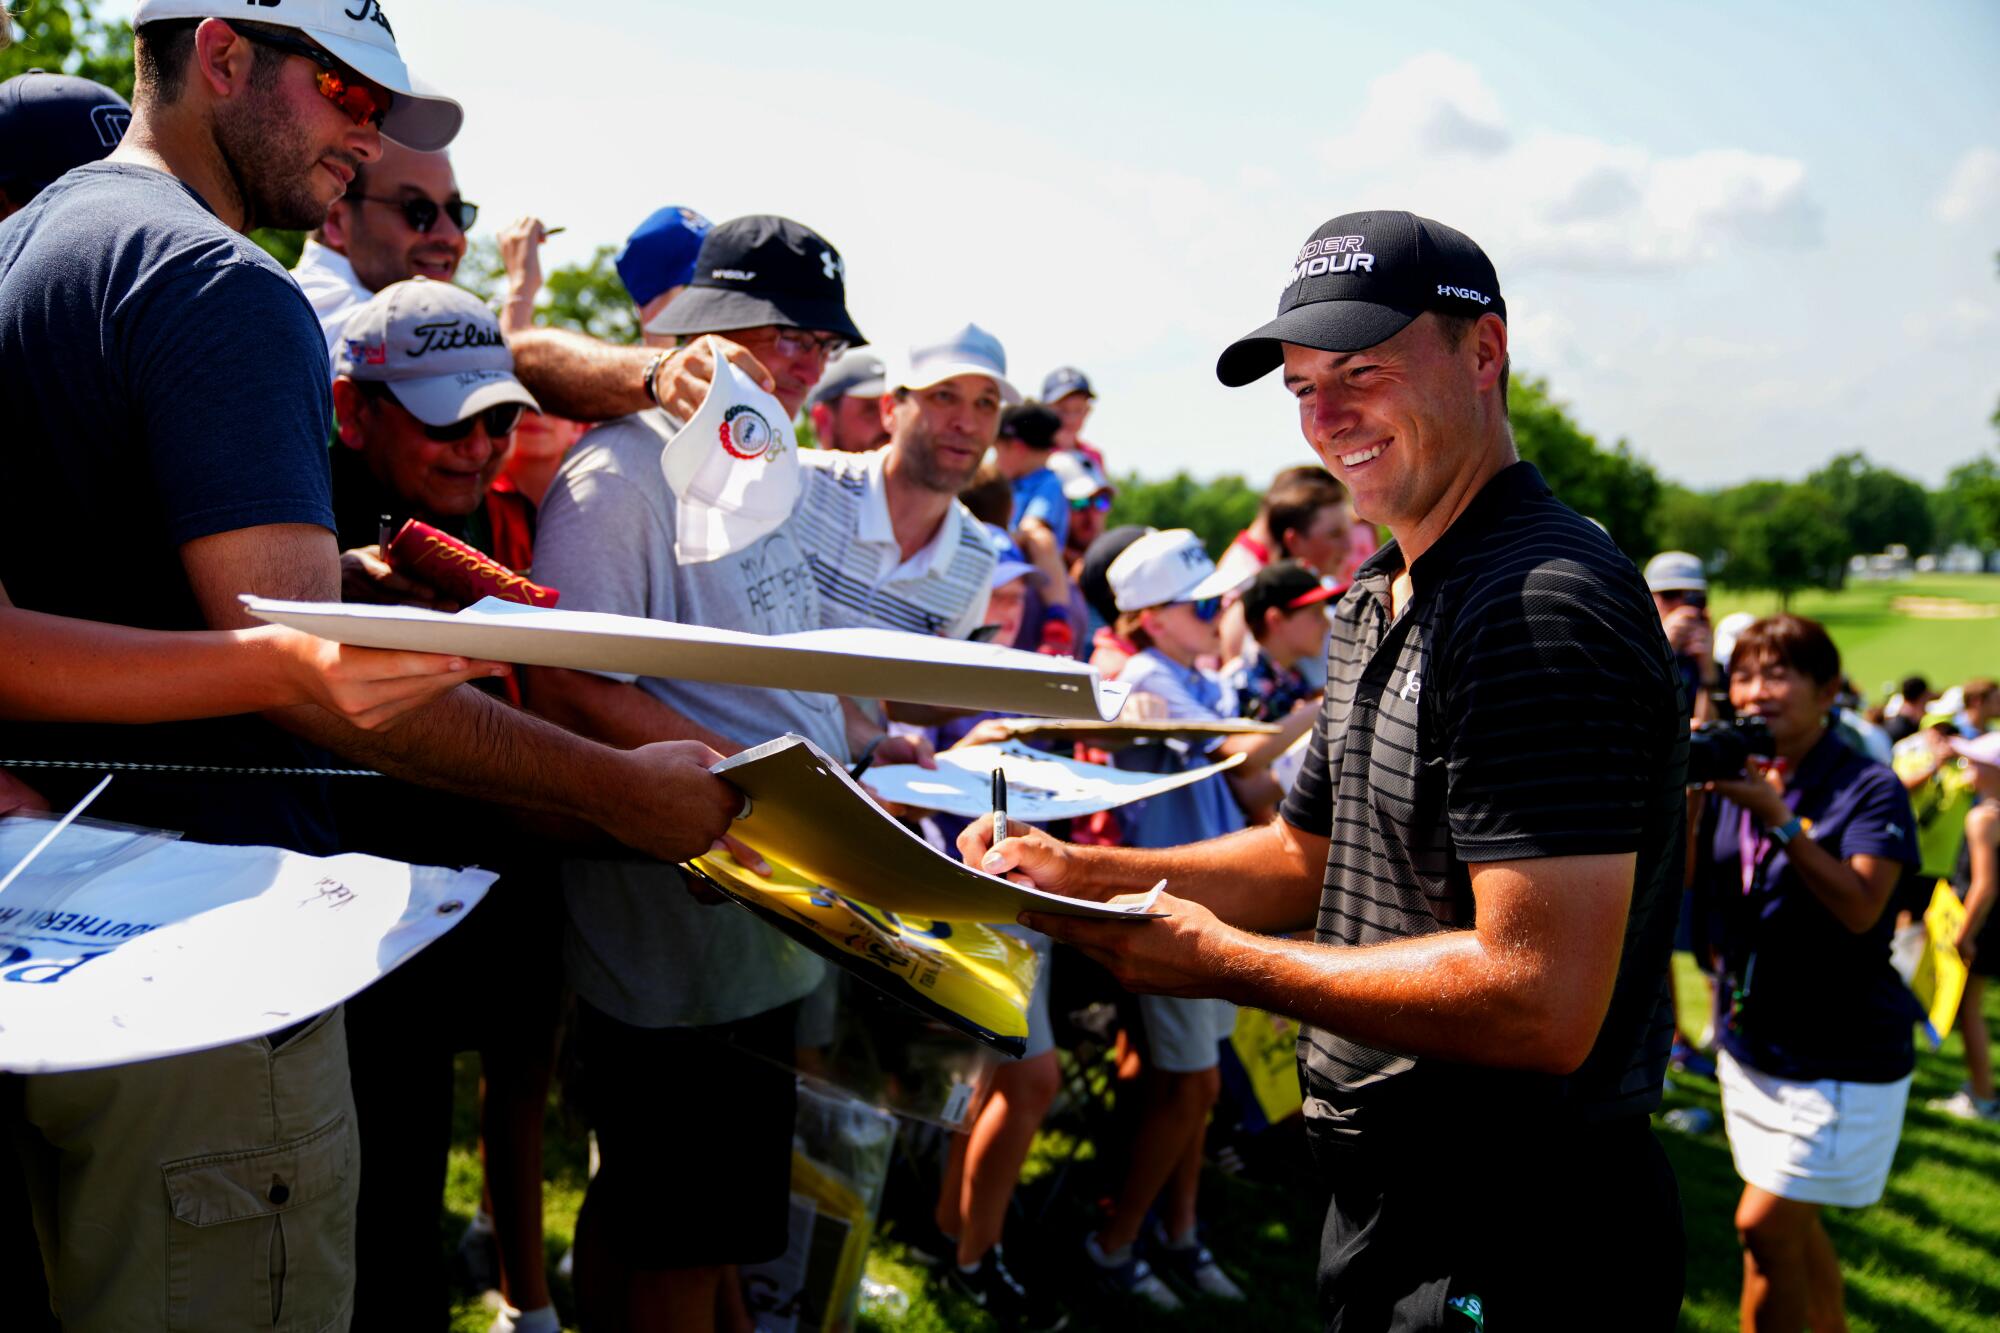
{"x":212,"y":770}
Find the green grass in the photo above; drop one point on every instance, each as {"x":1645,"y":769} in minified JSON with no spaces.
{"x":1921,"y":1260}
{"x":1879,"y":644}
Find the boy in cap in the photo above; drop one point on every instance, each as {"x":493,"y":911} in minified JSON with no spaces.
{"x":686,"y":1015}
{"x":1068,"y":391}
{"x":1285,"y":606}
{"x":1168,"y":594}
{"x":50,"y":123}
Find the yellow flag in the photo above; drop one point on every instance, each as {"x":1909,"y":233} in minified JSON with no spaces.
{"x":1940,"y":975}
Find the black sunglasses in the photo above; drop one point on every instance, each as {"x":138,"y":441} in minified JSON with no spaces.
{"x":422,"y":213}
{"x":500,"y":423}
{"x":501,"y":420}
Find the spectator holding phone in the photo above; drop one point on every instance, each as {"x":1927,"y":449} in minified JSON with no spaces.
{"x":1798,"y":859}
{"x":1679,"y":586}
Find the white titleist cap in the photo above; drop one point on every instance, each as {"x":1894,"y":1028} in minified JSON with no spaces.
{"x":733,"y":469}
{"x":355,"y":32}
{"x":1165,"y":567}
{"x":967,"y":351}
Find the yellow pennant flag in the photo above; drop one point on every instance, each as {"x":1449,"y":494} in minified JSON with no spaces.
{"x":1941,"y":973}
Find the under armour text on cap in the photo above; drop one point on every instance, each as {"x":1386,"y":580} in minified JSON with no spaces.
{"x":437,"y":347}
{"x":1675,"y":571}
{"x":51,"y":124}
{"x":760,"y":270}
{"x":857,"y":374}
{"x":1164,"y":567}
{"x":659,"y":255}
{"x":356,"y":32}
{"x":1063,"y":381}
{"x":1360,"y":280}
{"x":970,"y":350}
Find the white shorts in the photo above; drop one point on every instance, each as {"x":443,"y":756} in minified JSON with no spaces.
{"x":1185,"y":1036}
{"x":1041,"y":1029}
{"x":1821,"y":1142}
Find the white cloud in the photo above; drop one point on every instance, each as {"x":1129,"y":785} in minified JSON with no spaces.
{"x":1432,"y":133}
{"x":1433,"y":105}
{"x":1973,"y":189}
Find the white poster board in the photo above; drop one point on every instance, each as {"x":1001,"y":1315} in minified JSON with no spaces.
{"x":1040,"y":786}
{"x":119,"y":945}
{"x":807,"y":814}
{"x":863,"y":663}
{"x":1119,"y":735}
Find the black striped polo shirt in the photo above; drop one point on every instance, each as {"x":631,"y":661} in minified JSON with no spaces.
{"x":1524,"y":705}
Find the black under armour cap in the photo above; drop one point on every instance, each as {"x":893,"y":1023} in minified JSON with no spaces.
{"x":51,"y":124}
{"x":1359,"y":280}
{"x":759,"y":270}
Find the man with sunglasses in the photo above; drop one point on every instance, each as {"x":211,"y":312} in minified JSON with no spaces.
{"x":401,"y":217}
{"x":166,"y":387}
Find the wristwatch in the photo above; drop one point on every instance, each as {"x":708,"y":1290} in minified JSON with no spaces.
{"x":1785,"y":832}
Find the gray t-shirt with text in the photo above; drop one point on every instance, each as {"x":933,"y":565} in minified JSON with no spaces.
{"x":638,"y":947}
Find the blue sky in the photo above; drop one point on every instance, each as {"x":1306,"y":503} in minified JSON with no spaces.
{"x":1742,"y":238}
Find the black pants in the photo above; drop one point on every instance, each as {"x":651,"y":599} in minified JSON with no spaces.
{"x":493,"y":982}
{"x":1578,"y":1229}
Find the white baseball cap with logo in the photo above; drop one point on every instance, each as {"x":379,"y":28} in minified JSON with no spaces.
{"x":357,"y":33}
{"x":437,"y":347}
{"x":1164,"y":567}
{"x":733,"y":469}
{"x":967,"y":351}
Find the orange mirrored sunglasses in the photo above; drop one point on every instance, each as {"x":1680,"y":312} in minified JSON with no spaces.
{"x":361,"y":104}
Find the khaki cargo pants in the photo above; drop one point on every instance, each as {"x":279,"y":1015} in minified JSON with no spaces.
{"x":212,"y":1191}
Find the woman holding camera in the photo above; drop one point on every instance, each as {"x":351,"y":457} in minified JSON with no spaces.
{"x":1799,"y":858}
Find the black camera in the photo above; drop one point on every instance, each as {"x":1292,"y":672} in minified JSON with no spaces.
{"x":1723,"y":749}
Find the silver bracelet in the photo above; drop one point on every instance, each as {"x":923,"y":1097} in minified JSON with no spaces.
{"x":652,"y":372}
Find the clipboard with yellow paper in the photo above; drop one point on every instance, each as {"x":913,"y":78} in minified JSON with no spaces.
{"x":971,"y":977}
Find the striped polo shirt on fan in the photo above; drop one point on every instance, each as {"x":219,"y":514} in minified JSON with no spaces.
{"x":1524,"y":705}
{"x":842,"y":519}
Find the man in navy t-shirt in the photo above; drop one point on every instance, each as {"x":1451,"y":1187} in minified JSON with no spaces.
{"x":167,"y":394}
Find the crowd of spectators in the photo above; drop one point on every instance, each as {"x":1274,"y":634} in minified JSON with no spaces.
{"x":237,"y":428}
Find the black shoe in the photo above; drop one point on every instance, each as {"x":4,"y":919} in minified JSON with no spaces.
{"x":997,"y":1291}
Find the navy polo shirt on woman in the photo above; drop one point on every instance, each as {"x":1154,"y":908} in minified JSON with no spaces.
{"x":1803,"y":997}
{"x":1525,"y":704}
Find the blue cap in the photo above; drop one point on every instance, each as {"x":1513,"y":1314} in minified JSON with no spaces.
{"x":659,"y":254}
{"x":53,"y":123}
{"x":1014,"y":563}
{"x":1064,"y":381}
